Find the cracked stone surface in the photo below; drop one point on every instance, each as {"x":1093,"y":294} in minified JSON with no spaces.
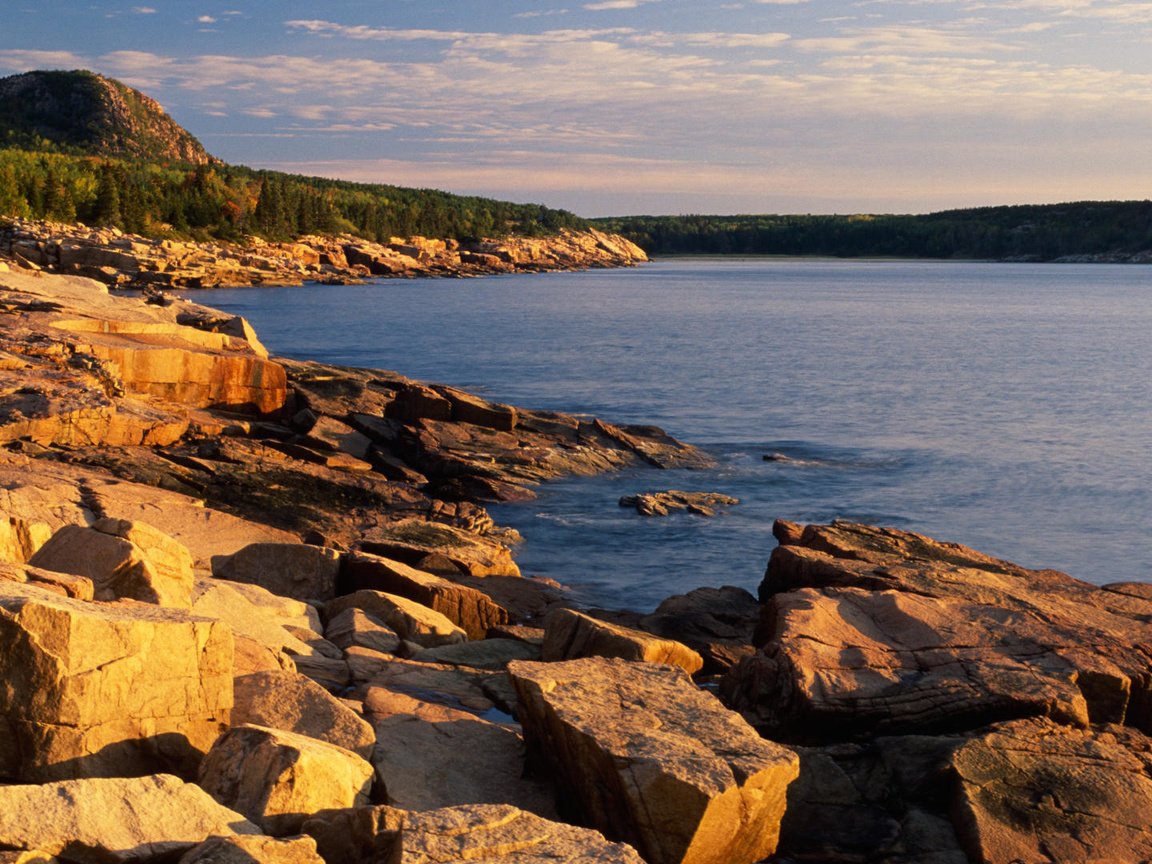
{"x":1039,"y":793}
{"x":876,"y":631}
{"x":648,"y":758}
{"x":105,"y":689}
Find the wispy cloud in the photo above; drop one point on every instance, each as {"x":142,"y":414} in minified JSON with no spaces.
{"x":143,"y":10}
{"x":607,"y":5}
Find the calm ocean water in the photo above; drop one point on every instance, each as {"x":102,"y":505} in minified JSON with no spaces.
{"x":1007,"y":407}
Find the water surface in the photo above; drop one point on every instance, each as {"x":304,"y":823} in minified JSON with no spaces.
{"x":1007,"y":407}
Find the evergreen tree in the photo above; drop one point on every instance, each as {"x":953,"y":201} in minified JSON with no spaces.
{"x":107,"y":206}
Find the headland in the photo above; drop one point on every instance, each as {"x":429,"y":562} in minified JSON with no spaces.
{"x":254,"y":609}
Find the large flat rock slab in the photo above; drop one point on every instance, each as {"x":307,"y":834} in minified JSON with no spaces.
{"x":876,"y":631}
{"x":486,"y":833}
{"x":1035,"y":792}
{"x":113,"y":820}
{"x":648,"y":758}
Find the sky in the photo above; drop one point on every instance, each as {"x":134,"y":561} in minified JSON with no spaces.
{"x":625,"y":107}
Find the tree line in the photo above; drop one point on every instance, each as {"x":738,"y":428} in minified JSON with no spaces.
{"x":227,"y":202}
{"x":1025,"y":232}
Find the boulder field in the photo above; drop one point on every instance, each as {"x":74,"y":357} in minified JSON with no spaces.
{"x":255,"y":610}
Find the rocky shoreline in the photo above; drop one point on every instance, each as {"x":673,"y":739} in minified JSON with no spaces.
{"x":130,"y":261}
{"x":254,"y":610}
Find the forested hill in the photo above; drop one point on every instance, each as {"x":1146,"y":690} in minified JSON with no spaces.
{"x":1101,"y":230}
{"x":84,"y":113}
{"x":78,"y":147}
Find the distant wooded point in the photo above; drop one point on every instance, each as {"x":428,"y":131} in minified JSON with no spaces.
{"x":1092,"y":230}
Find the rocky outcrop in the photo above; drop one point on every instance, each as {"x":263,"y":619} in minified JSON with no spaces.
{"x":498,"y":834}
{"x":123,"y":559}
{"x":569,"y":635}
{"x":277,"y":779}
{"x":946,"y":706}
{"x":95,"y":690}
{"x":957,"y":708}
{"x":471,"y":610}
{"x":1032,"y":791}
{"x":127,"y":260}
{"x":663,"y":503}
{"x":649,"y":759}
{"x":250,"y":849}
{"x":293,"y":703}
{"x":410,"y":620}
{"x":870,"y":630}
{"x":718,"y":623}
{"x":491,"y":833}
{"x":114,"y":820}
{"x":293,"y":570}
{"x":424,"y":763}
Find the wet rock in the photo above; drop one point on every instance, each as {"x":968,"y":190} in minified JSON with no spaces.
{"x":648,"y":758}
{"x":294,"y":703}
{"x":663,"y":503}
{"x":115,"y":820}
{"x":569,"y":634}
{"x":106,"y":690}
{"x":277,"y":779}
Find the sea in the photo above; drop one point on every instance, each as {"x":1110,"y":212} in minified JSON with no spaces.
{"x":1007,"y":407}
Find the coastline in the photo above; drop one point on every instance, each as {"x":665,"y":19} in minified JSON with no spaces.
{"x":333,"y":531}
{"x":129,"y":261}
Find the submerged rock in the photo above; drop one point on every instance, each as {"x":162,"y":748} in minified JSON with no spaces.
{"x":663,"y":503}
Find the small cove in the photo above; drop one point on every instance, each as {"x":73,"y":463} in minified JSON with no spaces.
{"x":1007,"y":407}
